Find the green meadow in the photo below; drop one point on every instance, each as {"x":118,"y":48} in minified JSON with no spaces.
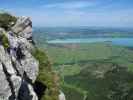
{"x":96,"y":71}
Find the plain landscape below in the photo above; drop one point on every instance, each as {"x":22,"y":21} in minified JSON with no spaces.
{"x":98,"y":70}
{"x":95,"y":70}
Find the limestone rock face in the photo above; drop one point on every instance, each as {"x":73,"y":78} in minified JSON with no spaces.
{"x":18,"y":68}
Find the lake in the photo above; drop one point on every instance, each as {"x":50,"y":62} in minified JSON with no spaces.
{"x":115,"y":41}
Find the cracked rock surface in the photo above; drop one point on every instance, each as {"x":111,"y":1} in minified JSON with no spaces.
{"x":18,"y":68}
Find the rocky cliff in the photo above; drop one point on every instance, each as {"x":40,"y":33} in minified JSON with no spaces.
{"x":20,"y":61}
{"x":18,"y":68}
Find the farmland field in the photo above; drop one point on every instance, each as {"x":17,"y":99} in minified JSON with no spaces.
{"x":94,"y":71}
{"x":102,"y":70}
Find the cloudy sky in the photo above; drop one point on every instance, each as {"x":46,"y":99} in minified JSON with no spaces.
{"x":107,"y":13}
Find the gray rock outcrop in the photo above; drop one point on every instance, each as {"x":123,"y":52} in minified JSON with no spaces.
{"x":18,"y":68}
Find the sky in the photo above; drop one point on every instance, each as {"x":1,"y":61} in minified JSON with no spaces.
{"x":54,"y":13}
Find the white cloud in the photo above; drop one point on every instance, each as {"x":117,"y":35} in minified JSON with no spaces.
{"x":71,"y":5}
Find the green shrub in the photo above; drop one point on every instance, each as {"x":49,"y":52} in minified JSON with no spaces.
{"x":46,"y":76}
{"x":4,"y":41}
{"x":7,"y":20}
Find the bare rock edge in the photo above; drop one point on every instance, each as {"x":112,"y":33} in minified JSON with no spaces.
{"x":18,"y":68}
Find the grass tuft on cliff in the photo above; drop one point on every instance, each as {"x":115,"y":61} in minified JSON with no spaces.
{"x":4,"y":40}
{"x":7,"y":20}
{"x":47,"y":79}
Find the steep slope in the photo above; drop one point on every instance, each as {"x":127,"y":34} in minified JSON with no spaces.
{"x":25,"y":71}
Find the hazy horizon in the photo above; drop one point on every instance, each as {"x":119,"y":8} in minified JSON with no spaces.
{"x":73,"y":13}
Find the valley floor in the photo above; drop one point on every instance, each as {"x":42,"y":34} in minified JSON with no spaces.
{"x":95,"y":71}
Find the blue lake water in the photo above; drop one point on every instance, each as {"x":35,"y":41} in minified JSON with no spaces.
{"x":115,"y":41}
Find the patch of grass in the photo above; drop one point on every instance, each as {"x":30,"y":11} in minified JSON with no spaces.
{"x":4,"y":41}
{"x":46,"y":76}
